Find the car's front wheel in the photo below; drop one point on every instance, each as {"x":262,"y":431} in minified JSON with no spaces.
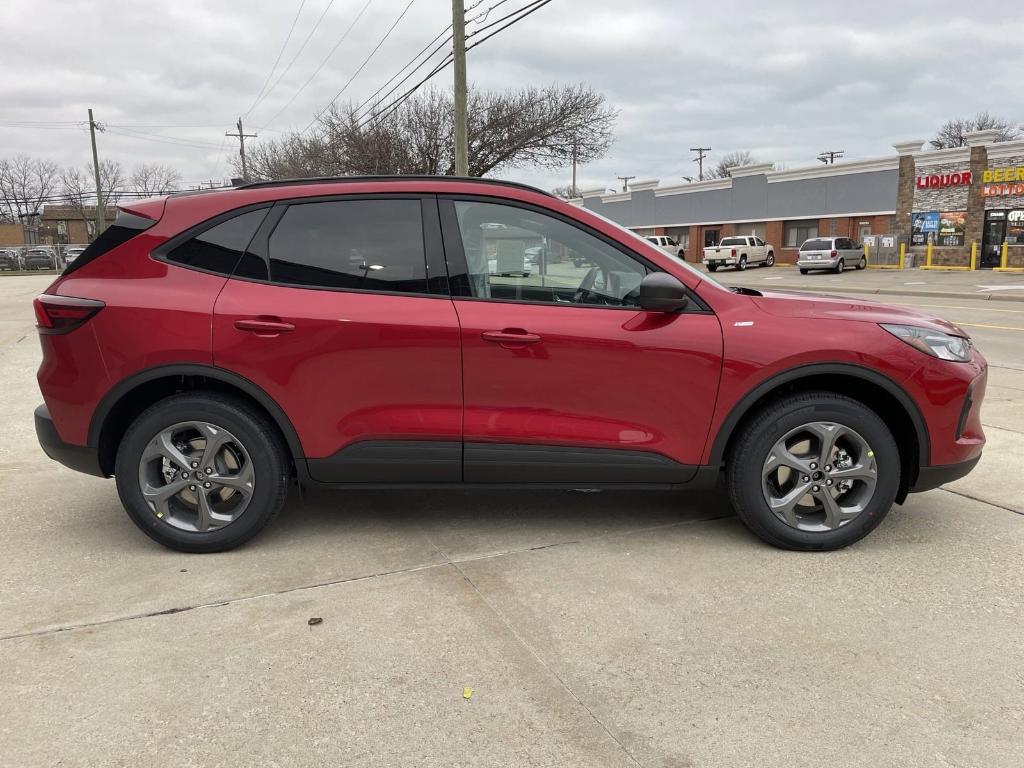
{"x":814,"y":471}
{"x":770,"y":260}
{"x":201,"y":472}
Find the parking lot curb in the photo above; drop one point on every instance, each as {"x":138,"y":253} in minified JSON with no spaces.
{"x":991,"y":296}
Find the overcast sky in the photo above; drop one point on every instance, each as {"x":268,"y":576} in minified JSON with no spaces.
{"x":784,"y":80}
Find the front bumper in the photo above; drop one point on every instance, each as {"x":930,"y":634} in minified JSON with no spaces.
{"x":80,"y":458}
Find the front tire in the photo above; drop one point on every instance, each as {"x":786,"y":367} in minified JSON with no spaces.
{"x":813,"y":471}
{"x":202,"y":472}
{"x":770,"y":261}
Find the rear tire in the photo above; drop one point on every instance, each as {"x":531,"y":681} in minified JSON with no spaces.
{"x":862,"y":263}
{"x":742,"y":264}
{"x":840,"y":266}
{"x":254,"y":444}
{"x":712,"y":268}
{"x":756,"y":452}
{"x":804,"y":271}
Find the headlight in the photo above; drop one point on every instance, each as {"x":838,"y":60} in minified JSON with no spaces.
{"x":935,"y":343}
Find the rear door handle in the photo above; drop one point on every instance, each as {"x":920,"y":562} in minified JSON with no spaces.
{"x":510,"y":336}
{"x":268,"y":327}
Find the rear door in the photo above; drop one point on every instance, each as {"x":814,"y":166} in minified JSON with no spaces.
{"x":340,"y":313}
{"x":566,"y":380}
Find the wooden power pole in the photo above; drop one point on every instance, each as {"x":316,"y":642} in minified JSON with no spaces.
{"x":459,"y":53}
{"x":101,"y":217}
{"x":242,"y":136}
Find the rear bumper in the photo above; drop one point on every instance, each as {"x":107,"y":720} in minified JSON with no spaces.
{"x":932,"y":477}
{"x":818,"y":264}
{"x":80,"y":458}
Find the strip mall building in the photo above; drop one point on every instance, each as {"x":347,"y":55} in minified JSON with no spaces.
{"x":948,"y":199}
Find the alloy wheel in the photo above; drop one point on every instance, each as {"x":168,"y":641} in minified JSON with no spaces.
{"x":196,"y":476}
{"x":819,"y":476}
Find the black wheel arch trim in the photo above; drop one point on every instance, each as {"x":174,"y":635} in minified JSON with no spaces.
{"x":129,"y":383}
{"x":745,"y":403}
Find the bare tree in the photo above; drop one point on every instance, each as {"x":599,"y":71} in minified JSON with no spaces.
{"x":529,"y":127}
{"x":79,"y":188}
{"x":154,"y":179}
{"x":730,"y":160}
{"x":566,"y":192}
{"x":26,"y":183}
{"x":951,"y":134}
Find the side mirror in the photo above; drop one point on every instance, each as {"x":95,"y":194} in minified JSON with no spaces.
{"x":660,"y":292}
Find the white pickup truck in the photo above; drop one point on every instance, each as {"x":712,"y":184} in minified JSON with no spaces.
{"x":739,"y":252}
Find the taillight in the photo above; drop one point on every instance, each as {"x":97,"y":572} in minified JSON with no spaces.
{"x":833,"y":254}
{"x":62,"y":314}
{"x":733,"y":252}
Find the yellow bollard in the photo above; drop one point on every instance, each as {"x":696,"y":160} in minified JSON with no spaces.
{"x":974,"y":256}
{"x":928,"y":258}
{"x":1004,"y":255}
{"x":903,"y":253}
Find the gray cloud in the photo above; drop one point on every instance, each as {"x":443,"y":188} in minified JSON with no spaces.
{"x":782,"y":79}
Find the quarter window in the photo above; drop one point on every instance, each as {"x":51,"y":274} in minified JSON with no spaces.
{"x":219,"y":248}
{"x":351,"y":244}
{"x":518,"y":254}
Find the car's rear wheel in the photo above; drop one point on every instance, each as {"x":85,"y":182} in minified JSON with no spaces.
{"x":804,"y":271}
{"x":201,"y":472}
{"x":862,"y":263}
{"x":741,"y":264}
{"x":815,"y":471}
{"x":712,"y":267}
{"x":840,"y":266}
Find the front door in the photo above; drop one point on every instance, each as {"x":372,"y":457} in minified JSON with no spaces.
{"x":566,"y":380}
{"x":992,"y":237}
{"x":345,"y":335}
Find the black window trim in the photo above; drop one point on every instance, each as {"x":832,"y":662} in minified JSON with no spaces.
{"x":455,"y":254}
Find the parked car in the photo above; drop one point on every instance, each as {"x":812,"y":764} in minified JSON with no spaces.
{"x":72,"y":252}
{"x":40,"y":258}
{"x":833,"y":253}
{"x":739,"y":252}
{"x":248,"y":355}
{"x":667,"y":244}
{"x":10,"y":260}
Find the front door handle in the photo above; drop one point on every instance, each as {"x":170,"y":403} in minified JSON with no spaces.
{"x":510,"y":336}
{"x":264,"y":327}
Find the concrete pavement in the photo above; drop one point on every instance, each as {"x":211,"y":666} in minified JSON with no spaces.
{"x":612,"y":629}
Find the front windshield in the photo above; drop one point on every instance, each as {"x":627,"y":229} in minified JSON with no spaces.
{"x":643,"y":240}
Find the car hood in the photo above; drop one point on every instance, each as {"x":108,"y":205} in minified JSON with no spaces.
{"x":822,"y":307}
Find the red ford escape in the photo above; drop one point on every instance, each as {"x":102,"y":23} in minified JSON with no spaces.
{"x":209,"y":348}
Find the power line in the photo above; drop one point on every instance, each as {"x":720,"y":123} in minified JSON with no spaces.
{"x":360,"y":68}
{"x":277,"y":61}
{"x":160,"y":138}
{"x":302,"y":47}
{"x":322,"y":65}
{"x":448,"y":60}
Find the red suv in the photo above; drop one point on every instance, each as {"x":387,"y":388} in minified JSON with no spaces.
{"x":211,"y":348}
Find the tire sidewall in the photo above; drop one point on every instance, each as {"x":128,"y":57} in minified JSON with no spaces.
{"x":770,"y":261}
{"x":741,"y":264}
{"x":267,"y":466}
{"x":750,"y":459}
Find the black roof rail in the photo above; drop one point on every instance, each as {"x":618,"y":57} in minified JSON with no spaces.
{"x":418,"y":177}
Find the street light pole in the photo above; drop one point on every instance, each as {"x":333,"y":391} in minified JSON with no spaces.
{"x":459,"y":53}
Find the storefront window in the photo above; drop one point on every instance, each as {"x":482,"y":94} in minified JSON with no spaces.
{"x":798,"y":231}
{"x":1015,"y":227}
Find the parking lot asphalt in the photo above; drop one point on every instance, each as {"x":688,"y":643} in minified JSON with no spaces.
{"x":511,"y":628}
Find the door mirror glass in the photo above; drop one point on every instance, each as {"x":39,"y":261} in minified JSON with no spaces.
{"x":660,"y":292}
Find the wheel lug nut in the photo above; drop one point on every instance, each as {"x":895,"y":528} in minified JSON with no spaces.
{"x":209,"y":470}
{"x":813,"y":465}
{"x":828,"y":467}
{"x":816,"y":488}
{"x":210,"y":485}
{"x":191,"y":487}
{"x":195,"y":464}
{"x":807,"y":479}
{"x":184,"y":475}
{"x":828,"y":482}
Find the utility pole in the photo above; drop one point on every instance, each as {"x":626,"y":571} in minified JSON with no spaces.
{"x":702,"y":152}
{"x":100,"y":213}
{"x":573,"y":188}
{"x":459,"y":53}
{"x":829,"y":156}
{"x":625,"y":182}
{"x":241,"y":136}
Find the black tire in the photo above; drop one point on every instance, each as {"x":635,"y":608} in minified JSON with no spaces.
{"x":862,"y":263}
{"x":742,"y":264}
{"x":712,"y":267}
{"x":769,"y":260}
{"x":840,"y":266}
{"x":257,"y":435}
{"x":758,"y":437}
{"x":804,"y":271}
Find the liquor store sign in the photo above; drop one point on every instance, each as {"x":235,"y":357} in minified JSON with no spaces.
{"x":1001,"y":182}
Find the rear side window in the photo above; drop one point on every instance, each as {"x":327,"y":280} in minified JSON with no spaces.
{"x":734,"y":241}
{"x":374,"y":245}
{"x":817,"y":245}
{"x":125,"y":227}
{"x":219,"y":248}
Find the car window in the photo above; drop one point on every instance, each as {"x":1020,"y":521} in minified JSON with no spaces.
{"x":219,"y":248}
{"x":519,"y":254}
{"x":758,"y":241}
{"x":733,"y":241}
{"x":816,"y":245}
{"x":351,"y":244}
